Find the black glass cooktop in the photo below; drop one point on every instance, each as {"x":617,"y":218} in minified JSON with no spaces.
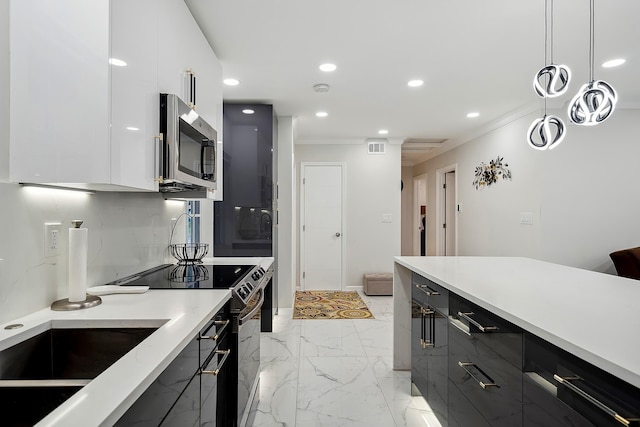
{"x":191,"y":276}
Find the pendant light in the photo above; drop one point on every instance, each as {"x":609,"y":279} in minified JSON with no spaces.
{"x":551,"y":81}
{"x":596,"y":100}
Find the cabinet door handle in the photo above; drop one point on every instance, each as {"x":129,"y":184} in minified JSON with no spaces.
{"x":220,"y":363}
{"x":566,"y":381}
{"x":159,"y":156}
{"x":467,"y":317}
{"x":223,"y":323}
{"x":482,"y":384}
{"x":428,"y":315}
{"x":430,"y":292}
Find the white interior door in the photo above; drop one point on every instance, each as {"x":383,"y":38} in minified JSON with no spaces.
{"x":321,"y":223}
{"x":450,"y":213}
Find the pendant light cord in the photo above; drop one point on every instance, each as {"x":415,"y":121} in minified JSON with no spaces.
{"x":591,"y":39}
{"x":546,"y":44}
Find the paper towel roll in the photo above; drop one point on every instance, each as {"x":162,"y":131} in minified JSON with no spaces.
{"x":78,"y":245}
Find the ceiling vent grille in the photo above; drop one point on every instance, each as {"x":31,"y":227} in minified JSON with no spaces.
{"x":376,"y":147}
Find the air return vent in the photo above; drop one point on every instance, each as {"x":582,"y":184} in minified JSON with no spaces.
{"x":376,"y":147}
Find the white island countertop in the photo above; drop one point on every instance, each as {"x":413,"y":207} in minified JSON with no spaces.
{"x":591,"y":315}
{"x":179,"y":314}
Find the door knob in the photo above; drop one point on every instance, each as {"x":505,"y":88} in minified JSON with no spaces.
{"x":338,"y":234}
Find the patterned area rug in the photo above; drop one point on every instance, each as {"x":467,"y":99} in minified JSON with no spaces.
{"x":330,"y":305}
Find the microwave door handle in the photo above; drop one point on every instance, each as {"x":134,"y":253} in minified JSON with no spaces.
{"x":202,"y":148}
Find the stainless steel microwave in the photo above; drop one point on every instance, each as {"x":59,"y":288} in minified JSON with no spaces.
{"x":188,"y":154}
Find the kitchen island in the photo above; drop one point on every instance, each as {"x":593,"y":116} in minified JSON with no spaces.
{"x":545,"y":315}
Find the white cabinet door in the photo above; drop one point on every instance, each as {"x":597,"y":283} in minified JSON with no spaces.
{"x":59,"y":91}
{"x":135,"y":101}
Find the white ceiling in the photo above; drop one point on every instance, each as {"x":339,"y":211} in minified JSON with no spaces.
{"x":472,"y":55}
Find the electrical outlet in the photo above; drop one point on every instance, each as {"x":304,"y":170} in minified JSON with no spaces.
{"x":51,"y":238}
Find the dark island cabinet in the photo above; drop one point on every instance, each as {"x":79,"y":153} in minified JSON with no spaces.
{"x":572,"y":392}
{"x":485,"y":362}
{"x":477,"y":369}
{"x":430,"y":344}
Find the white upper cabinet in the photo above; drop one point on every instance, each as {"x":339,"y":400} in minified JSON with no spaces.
{"x":135,"y":101}
{"x":85,"y":83}
{"x":59,"y":91}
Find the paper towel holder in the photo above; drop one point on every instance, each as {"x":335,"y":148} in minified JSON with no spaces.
{"x":65,"y":304}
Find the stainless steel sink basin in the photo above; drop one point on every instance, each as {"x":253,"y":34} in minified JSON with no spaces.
{"x":40,"y":373}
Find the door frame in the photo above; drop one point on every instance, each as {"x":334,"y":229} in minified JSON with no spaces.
{"x":343,"y":218}
{"x":416,"y":212}
{"x":440,"y":208}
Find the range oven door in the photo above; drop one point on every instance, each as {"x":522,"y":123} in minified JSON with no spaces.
{"x":248,"y":324}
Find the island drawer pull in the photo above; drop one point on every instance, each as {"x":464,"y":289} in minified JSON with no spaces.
{"x":430,"y":292}
{"x":484,"y":385}
{"x":215,"y":337}
{"x":566,"y":381}
{"x":428,"y":314}
{"x":220,"y":363}
{"x":467,"y":316}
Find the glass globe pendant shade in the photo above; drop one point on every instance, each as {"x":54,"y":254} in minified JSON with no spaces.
{"x":593,"y":104}
{"x":545,"y":133}
{"x":552,"y":81}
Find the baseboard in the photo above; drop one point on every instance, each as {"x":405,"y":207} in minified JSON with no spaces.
{"x":354,"y":288}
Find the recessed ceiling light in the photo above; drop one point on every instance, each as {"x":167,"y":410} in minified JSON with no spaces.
{"x":327,"y":67}
{"x":383,"y":132}
{"x":415,"y":83}
{"x":231,"y":82}
{"x":132,"y":128}
{"x":614,"y":63}
{"x":473,"y":115}
{"x":322,"y":114}
{"x":248,"y":111}
{"x":117,"y":62}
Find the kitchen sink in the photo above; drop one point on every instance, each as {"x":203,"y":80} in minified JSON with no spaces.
{"x":40,"y":373}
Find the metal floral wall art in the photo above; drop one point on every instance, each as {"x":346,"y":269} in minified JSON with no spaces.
{"x":487,"y":174}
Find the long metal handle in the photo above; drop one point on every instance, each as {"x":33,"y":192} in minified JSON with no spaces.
{"x":254,"y":310}
{"x":467,"y":317}
{"x":430,"y":292}
{"x":159,"y":156}
{"x":220,"y":363}
{"x":428,"y":314}
{"x":215,"y":337}
{"x":566,"y":381}
{"x":484,"y":385}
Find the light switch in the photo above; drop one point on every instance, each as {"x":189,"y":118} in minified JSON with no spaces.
{"x":526,"y":218}
{"x":387,"y":218}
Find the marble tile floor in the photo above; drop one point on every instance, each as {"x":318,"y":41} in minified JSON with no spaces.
{"x":336,"y":373}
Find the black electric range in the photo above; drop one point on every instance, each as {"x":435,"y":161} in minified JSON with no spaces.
{"x":189,"y":276}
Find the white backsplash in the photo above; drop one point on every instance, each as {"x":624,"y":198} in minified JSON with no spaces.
{"x":128,"y":232}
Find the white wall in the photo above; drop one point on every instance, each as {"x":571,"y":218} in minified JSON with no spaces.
{"x":372,"y":189}
{"x":127,"y":232}
{"x":285,"y":250}
{"x":583,"y":194}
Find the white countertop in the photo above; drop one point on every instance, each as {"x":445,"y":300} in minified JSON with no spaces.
{"x":591,"y":315}
{"x":179,"y":313}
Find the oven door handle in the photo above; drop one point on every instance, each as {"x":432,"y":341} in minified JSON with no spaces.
{"x":254,"y":311}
